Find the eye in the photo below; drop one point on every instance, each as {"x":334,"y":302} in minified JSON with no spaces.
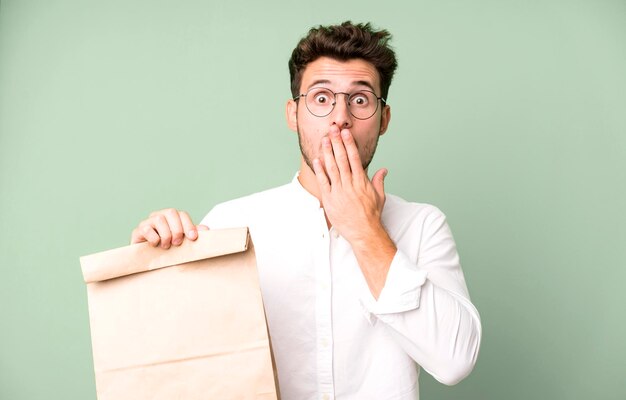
{"x":359,"y":99}
{"x":321,"y":98}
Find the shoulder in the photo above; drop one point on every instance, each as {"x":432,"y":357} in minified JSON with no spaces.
{"x":237,"y":212}
{"x":397,"y":208}
{"x":417,"y":227}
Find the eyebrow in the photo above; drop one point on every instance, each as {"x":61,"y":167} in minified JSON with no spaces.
{"x":354,"y":83}
{"x":318,"y":82}
{"x":364,"y":83}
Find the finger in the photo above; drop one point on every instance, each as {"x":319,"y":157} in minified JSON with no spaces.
{"x":352,"y":152}
{"x":322,"y":179}
{"x":145,"y":233}
{"x":329,"y":162}
{"x":378,"y":181}
{"x":341,"y":157}
{"x":202,"y":227}
{"x":136,"y":236}
{"x":176,"y":226}
{"x":189,"y":229}
{"x":162,"y":228}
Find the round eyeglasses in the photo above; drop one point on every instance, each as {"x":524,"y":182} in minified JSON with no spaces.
{"x":321,"y":101}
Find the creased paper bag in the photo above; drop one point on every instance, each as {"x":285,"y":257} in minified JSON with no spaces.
{"x":183,"y":323}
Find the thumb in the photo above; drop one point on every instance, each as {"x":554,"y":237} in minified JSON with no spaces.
{"x":378,"y":181}
{"x":202,"y":227}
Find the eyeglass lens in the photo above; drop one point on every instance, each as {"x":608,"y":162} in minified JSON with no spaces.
{"x":321,"y":101}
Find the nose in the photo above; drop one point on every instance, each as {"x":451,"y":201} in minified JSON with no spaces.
{"x":341,"y":115}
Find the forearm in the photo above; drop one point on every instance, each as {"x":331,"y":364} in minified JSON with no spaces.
{"x":374,"y":252}
{"x":425,"y":301}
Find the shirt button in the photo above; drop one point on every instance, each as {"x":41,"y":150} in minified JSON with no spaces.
{"x":324,"y":342}
{"x":335,"y":234}
{"x":325,"y":397}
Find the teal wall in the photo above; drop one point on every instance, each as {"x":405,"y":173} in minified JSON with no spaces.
{"x":508,"y":115}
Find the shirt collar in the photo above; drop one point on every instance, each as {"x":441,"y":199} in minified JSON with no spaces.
{"x":302,"y":194}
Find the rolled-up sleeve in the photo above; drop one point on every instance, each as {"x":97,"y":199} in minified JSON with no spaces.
{"x":425,"y":303}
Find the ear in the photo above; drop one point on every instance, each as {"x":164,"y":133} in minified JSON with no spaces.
{"x":385,"y":118}
{"x":291,"y":113}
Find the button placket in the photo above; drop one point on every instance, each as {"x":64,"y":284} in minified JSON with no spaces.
{"x":323,"y":304}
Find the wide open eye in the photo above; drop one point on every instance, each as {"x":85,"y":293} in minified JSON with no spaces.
{"x":361,"y":99}
{"x":320,"y":96}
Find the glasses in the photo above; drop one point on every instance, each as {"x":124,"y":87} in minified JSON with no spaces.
{"x":321,"y":102}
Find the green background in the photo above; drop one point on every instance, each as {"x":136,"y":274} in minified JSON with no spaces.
{"x":509,"y":116}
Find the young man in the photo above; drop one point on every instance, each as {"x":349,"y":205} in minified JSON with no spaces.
{"x":361,"y":288}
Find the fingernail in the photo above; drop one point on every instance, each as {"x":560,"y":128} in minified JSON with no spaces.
{"x":192,"y":234}
{"x":176,"y":242}
{"x":345,"y":133}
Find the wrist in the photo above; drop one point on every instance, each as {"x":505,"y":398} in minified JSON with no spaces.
{"x":374,"y":253}
{"x":371,"y":237}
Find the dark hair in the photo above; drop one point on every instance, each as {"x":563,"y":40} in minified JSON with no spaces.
{"x":344,"y":42}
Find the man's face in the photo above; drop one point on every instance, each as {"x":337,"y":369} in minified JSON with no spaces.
{"x":339,"y":76}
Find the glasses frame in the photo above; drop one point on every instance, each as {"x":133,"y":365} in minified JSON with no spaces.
{"x":348,"y":96}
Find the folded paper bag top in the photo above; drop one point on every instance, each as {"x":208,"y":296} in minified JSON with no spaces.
{"x":142,"y":257}
{"x":182,"y":323}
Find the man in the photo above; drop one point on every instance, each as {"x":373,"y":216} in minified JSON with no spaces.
{"x":360,"y":288}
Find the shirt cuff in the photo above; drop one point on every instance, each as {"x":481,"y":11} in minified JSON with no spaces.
{"x":402,"y":288}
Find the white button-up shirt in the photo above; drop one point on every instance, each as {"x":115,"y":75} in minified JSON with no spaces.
{"x":331,"y":339}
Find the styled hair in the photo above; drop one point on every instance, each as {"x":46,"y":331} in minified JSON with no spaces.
{"x":343,"y":43}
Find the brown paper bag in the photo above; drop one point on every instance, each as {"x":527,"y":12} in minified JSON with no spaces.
{"x":183,"y":323}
